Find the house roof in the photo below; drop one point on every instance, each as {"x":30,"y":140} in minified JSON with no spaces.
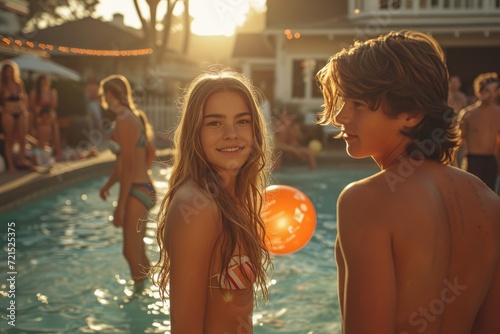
{"x":282,"y":14}
{"x":253,"y":45}
{"x":89,"y":33}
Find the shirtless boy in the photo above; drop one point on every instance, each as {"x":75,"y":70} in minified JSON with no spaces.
{"x":480,"y":124}
{"x":418,"y":243}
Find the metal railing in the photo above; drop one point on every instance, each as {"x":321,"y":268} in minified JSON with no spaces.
{"x":162,"y":115}
{"x":423,"y":8}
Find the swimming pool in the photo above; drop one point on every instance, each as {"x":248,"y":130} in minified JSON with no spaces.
{"x":71,"y":277}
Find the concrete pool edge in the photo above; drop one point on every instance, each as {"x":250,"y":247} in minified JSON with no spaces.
{"x":33,"y":185}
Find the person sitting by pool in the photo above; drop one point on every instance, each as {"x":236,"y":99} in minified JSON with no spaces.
{"x":44,"y":142}
{"x":287,"y":141}
{"x":134,"y":138}
{"x":418,"y":243}
{"x":211,"y":236}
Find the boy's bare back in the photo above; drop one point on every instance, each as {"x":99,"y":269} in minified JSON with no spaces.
{"x":446,"y":249}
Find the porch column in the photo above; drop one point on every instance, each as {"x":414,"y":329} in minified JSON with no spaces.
{"x":281,"y":76}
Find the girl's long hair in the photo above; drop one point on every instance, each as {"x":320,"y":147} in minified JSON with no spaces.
{"x":241,"y":224}
{"x":120,"y":88}
{"x":4,"y":81}
{"x":38,"y":86}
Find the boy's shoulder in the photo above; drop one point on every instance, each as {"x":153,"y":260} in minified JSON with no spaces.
{"x":376,"y":184}
{"x":367,"y":192}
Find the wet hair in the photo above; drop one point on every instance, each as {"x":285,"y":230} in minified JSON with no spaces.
{"x":120,"y":88}
{"x":242,"y":225}
{"x":404,"y":72}
{"x":482,"y":81}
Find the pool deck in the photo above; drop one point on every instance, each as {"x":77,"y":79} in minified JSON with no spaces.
{"x":22,"y":186}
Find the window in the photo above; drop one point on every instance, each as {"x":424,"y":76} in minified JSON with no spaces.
{"x":304,"y":82}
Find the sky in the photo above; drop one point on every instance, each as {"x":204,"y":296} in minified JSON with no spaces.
{"x":211,"y":17}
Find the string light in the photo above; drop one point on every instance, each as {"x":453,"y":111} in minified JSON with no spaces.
{"x":74,"y":50}
{"x":290,"y":35}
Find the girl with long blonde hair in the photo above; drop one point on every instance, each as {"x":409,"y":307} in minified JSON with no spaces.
{"x":211,"y":235}
{"x":132,"y":142}
{"x":13,"y":112}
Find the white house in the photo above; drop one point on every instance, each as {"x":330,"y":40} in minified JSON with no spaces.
{"x":301,"y":35}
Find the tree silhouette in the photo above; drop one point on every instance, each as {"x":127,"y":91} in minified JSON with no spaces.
{"x":158,"y":42}
{"x":54,"y":12}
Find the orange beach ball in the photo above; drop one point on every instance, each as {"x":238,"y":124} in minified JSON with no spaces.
{"x":289,"y":217}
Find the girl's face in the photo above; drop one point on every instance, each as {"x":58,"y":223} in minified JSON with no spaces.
{"x":9,"y":71}
{"x":44,"y":82}
{"x":226,"y":131}
{"x":367,"y":132}
{"x":110,"y":100}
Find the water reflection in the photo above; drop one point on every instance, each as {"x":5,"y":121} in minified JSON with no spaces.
{"x":72,"y":277}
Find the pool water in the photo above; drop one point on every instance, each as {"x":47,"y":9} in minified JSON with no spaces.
{"x":71,"y":276}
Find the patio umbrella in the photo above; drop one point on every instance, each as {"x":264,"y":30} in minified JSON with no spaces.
{"x":32,"y":63}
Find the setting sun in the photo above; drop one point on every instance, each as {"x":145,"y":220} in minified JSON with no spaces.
{"x":209,"y":17}
{"x":218,"y":17}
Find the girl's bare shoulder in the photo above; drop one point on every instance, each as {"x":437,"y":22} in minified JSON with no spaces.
{"x":189,"y":190}
{"x":192,"y":203}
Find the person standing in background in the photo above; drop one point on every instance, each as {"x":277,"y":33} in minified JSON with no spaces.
{"x":480,"y":125}
{"x":456,"y":98}
{"x":458,"y":101}
{"x":44,"y":97}
{"x":94,"y":109}
{"x":14,"y":114}
{"x":135,"y":153}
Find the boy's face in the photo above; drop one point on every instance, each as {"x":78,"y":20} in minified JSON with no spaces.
{"x":490,"y":91}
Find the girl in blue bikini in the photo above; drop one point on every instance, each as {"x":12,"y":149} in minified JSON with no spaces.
{"x":132,"y":139}
{"x":211,"y":236}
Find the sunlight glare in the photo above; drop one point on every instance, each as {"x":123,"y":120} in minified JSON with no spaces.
{"x":218,"y":17}
{"x":209,"y":17}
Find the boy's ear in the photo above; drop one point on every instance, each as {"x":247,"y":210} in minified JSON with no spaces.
{"x":414,"y":118}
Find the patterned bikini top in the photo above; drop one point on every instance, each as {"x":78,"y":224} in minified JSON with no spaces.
{"x":235,"y":279}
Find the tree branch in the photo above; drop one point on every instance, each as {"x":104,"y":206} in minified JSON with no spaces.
{"x":144,"y":23}
{"x":187,"y":28}
{"x":167,"y":24}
